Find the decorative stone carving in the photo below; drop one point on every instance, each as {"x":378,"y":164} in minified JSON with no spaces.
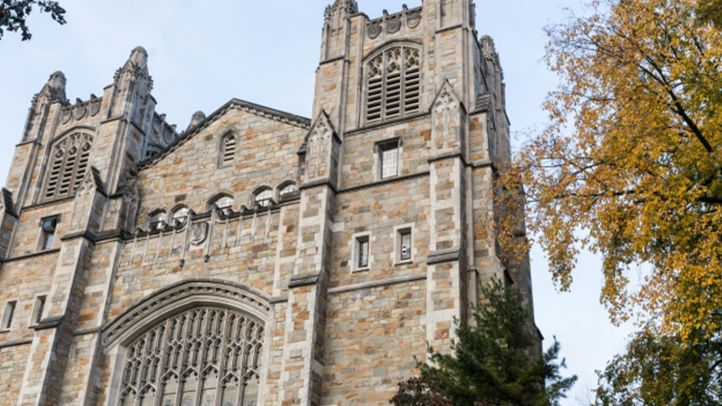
{"x":95,"y":107}
{"x":54,"y":90}
{"x":157,"y":124}
{"x":88,"y":184}
{"x":168,"y":135}
{"x":374,"y":29}
{"x":131,"y":198}
{"x":413,"y":19}
{"x":66,"y":114}
{"x":198,"y":233}
{"x":318,"y":147}
{"x":197,"y":118}
{"x":341,"y":6}
{"x":393,"y":24}
{"x":79,"y":111}
{"x":238,"y":296}
{"x":446,"y":118}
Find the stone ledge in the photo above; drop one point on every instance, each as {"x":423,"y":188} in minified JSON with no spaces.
{"x":33,"y":255}
{"x":318,"y":183}
{"x":385,"y":182}
{"x":304,"y":280}
{"x":378,"y":284}
{"x":441,"y":256}
{"x":81,"y":234}
{"x":15,"y":343}
{"x":46,"y":324}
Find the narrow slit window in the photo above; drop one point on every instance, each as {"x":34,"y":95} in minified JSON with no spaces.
{"x":47,"y":229}
{"x":39,"y":309}
{"x":362,"y":252}
{"x":9,"y":315}
{"x":228,"y":149}
{"x":393,"y":84}
{"x":405,"y":245}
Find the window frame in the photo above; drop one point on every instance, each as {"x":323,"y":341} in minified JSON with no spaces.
{"x":379,"y":149}
{"x":214,"y":201}
{"x":407,"y":81}
{"x":223,"y":161}
{"x":267,"y":202}
{"x":57,"y":167}
{"x":157,"y":225}
{"x":48,"y":231}
{"x":174,"y":222}
{"x":287,"y":195}
{"x":357,"y":240}
{"x":399,"y":231}
{"x":9,"y":316}
{"x":41,"y":301}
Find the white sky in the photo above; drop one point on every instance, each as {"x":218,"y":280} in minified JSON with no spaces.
{"x":203,"y":53}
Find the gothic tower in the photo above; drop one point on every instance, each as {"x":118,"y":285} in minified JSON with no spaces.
{"x":258,"y":257}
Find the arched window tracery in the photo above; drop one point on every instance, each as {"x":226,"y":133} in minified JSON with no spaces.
{"x":69,"y":162}
{"x":204,"y":356}
{"x":393,"y":83}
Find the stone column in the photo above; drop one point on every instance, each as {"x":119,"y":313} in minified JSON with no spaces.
{"x":42,"y":383}
{"x":447,"y":294}
{"x":302,"y":370}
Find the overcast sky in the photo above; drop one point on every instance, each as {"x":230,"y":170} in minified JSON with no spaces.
{"x":203,"y":53}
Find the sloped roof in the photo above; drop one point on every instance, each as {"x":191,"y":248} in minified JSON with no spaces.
{"x":262,"y":111}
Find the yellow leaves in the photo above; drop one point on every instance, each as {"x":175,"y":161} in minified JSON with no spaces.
{"x":632,"y":155}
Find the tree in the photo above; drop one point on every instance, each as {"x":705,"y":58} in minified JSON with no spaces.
{"x":664,"y":370}
{"x":491,"y":362}
{"x":14,"y":13}
{"x":629,"y":165}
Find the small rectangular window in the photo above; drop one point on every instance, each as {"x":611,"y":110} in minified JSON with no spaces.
{"x":48,"y":227}
{"x":362,"y":252}
{"x":388,"y":159}
{"x":9,"y":315}
{"x":405,"y":245}
{"x":38,"y":310}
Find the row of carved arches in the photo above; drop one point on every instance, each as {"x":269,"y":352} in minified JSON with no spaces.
{"x":262,"y":197}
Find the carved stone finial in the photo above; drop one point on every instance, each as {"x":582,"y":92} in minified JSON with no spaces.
{"x":139,"y":56}
{"x":343,"y":6}
{"x":197,"y":118}
{"x":54,"y":90}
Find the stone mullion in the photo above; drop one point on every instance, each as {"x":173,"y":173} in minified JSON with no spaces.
{"x":161,"y":367}
{"x":222,"y":372}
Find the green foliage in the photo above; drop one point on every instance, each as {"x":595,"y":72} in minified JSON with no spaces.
{"x":14,"y":14}
{"x":710,"y":11}
{"x":491,"y":364}
{"x":664,"y":370}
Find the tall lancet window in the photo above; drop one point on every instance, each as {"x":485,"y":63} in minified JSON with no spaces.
{"x":69,"y":162}
{"x":205,"y":356}
{"x":393,"y":83}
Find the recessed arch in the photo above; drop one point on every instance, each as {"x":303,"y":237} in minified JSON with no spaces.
{"x":228,"y":144}
{"x":263,"y":196}
{"x":222,"y":200}
{"x":68,"y":161}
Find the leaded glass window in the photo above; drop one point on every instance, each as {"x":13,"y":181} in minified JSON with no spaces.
{"x":204,"y":356}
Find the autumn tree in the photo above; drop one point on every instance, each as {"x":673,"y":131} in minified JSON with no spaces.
{"x":630,"y":164}
{"x":14,"y":14}
{"x":660,"y":369}
{"x":491,"y":362}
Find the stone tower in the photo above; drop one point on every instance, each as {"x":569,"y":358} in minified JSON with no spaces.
{"x":258,"y":257}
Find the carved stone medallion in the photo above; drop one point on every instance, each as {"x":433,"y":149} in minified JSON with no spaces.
{"x":199,"y":232}
{"x":156,"y":124}
{"x":94,"y":107}
{"x":80,"y":111}
{"x":168,"y":135}
{"x":375,"y":29}
{"x":393,"y":25}
{"x":414,"y":19}
{"x":66,"y":115}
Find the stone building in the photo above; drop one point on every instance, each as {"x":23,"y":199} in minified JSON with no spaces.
{"x":257,"y":257}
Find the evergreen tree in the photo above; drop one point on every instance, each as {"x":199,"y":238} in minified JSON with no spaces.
{"x":491,"y":362}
